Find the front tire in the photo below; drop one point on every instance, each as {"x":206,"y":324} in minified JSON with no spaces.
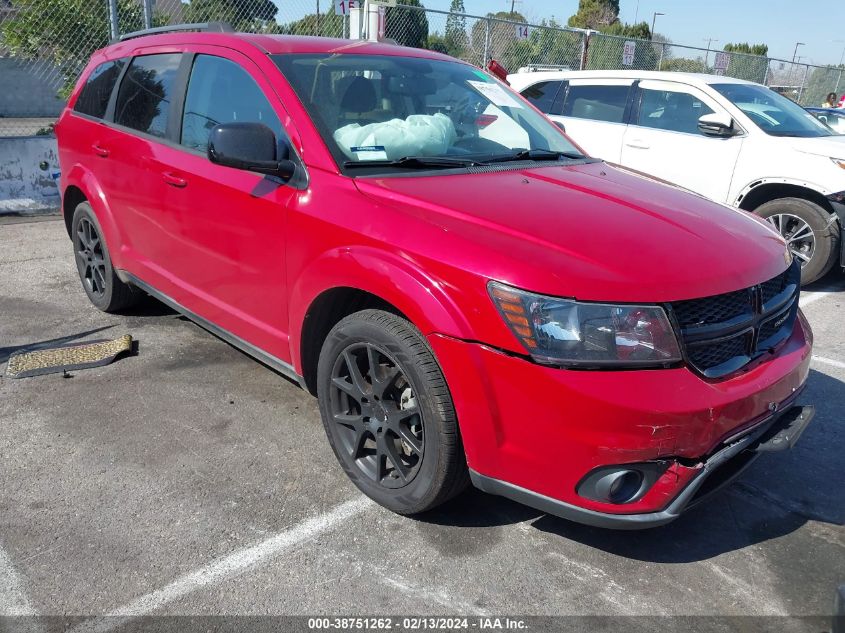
{"x":809,"y":232}
{"x":93,"y":263}
{"x":388,"y":413}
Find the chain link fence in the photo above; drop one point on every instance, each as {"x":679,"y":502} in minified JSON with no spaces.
{"x":44,"y":44}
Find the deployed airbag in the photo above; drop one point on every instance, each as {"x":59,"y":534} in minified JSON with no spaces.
{"x":418,"y":135}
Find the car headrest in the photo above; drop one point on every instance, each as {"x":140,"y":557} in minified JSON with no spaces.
{"x":360,"y":96}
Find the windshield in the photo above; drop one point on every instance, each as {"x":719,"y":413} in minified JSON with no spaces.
{"x":834,"y":120}
{"x":773,"y":113}
{"x":390,"y":112}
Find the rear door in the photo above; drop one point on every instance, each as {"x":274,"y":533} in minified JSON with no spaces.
{"x":663,"y":139}
{"x":142,"y":117}
{"x":594,"y":113}
{"x":544,"y":95}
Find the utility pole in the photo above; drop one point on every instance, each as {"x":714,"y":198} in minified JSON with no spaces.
{"x":653,"y":21}
{"x":710,"y":41}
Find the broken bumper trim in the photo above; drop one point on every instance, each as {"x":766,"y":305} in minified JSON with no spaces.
{"x":779,"y":433}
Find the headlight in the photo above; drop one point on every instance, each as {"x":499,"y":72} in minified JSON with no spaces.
{"x":570,"y":333}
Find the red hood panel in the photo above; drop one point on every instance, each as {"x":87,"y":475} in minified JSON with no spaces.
{"x":593,"y":232}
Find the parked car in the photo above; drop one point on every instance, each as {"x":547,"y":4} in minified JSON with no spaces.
{"x":733,"y":141}
{"x":555,"y":329}
{"x":834,"y":118}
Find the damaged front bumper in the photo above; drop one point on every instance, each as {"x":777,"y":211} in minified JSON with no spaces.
{"x":778,"y":433}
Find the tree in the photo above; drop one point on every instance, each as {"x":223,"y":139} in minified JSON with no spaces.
{"x":406,"y":25}
{"x":502,"y":44}
{"x":456,"y":29}
{"x":324,"y":25}
{"x":556,"y":47}
{"x":605,"y":53}
{"x":64,"y":33}
{"x":748,"y":49}
{"x":684,"y":65}
{"x":439,"y":44}
{"x":595,"y":14}
{"x":243,"y":15}
{"x":821,"y":82}
{"x":748,"y":61}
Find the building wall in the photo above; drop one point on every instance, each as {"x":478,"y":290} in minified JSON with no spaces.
{"x":29,"y":171}
{"x":30,"y":89}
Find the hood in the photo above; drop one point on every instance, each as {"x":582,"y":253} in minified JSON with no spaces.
{"x":588,"y":231}
{"x":827,"y":146}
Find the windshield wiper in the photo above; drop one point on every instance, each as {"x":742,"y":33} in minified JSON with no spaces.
{"x":536,"y":154}
{"x":415,"y":162}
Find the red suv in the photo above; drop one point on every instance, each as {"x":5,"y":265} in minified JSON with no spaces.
{"x":469,"y":296}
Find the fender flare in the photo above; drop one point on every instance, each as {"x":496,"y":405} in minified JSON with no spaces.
{"x":422,"y":298}
{"x":84,"y":180}
{"x":777,"y":180}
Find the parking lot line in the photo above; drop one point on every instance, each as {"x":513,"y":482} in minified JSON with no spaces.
{"x":13,"y":600}
{"x":829,"y":361}
{"x":226,"y":567}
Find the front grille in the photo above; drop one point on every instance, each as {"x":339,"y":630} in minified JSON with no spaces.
{"x":712,"y":310}
{"x":713,"y":354}
{"x":723,"y":333}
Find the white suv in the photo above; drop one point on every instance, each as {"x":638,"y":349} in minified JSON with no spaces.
{"x":730,"y":140}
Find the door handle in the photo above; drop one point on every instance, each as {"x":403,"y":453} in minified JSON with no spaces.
{"x":100,"y":151}
{"x":638,"y":144}
{"x":173,"y":180}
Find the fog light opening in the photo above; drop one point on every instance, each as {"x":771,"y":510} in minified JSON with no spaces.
{"x":621,"y":483}
{"x":624,"y":486}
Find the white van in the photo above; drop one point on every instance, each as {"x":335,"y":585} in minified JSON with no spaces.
{"x":730,"y":140}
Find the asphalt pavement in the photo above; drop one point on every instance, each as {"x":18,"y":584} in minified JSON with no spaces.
{"x":190,"y":479}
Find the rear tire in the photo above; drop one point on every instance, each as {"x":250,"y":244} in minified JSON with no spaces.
{"x":388,"y":413}
{"x":794,"y":218}
{"x":93,"y":263}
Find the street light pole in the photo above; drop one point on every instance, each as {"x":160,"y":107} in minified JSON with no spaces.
{"x":797,"y":44}
{"x":653,"y":21}
{"x":637,"y":12}
{"x":792,"y":70}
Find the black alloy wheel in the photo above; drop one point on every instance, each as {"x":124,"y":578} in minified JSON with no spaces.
{"x":90,"y":260}
{"x":99,"y":279}
{"x":388,"y":412}
{"x":379,"y":424}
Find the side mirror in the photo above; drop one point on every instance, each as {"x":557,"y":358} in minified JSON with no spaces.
{"x":248,"y":146}
{"x":560,"y":125}
{"x":714,"y":124}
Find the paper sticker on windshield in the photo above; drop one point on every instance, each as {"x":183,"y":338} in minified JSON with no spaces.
{"x":369,"y":152}
{"x":497,"y":95}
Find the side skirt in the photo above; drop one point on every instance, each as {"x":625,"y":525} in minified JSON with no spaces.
{"x":276,"y":364}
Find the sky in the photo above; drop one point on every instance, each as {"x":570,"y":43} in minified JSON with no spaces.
{"x":778,"y":23}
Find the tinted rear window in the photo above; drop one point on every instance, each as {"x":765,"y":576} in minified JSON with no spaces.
{"x":598,"y":103}
{"x":542,"y":95}
{"x":94,"y":98}
{"x":143,"y":102}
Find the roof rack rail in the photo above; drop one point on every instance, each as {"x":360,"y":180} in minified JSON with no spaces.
{"x":210,"y":27}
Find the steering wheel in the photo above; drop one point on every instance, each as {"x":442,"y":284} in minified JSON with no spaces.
{"x":478,"y":145}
